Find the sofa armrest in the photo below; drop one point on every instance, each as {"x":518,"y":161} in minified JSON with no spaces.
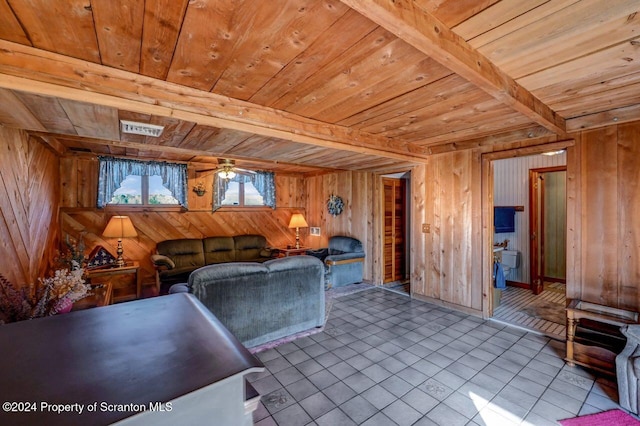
{"x":160,"y":260}
{"x":339,"y":259}
{"x":269,"y":252}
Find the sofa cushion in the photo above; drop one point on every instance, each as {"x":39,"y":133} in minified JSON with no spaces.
{"x":248,"y":247}
{"x":186,"y":252}
{"x":219,"y":250}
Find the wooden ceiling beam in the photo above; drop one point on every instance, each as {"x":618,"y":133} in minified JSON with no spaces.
{"x":58,"y":140}
{"x":425,"y":32}
{"x":32,"y":70}
{"x":604,"y":118}
{"x":538,"y":134}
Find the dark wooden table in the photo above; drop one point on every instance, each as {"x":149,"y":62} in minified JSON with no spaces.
{"x":168,"y":354}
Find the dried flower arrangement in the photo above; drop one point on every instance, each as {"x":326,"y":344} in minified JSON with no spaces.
{"x":51,"y":296}
{"x":199,"y":189}
{"x":73,"y":251}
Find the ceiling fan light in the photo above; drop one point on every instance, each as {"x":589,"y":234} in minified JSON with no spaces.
{"x":227,"y":173}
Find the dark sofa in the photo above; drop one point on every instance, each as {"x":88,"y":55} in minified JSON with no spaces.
{"x":174,"y":260}
{"x":261,"y":302}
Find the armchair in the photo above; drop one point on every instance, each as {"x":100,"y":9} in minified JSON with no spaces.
{"x":343,"y":259}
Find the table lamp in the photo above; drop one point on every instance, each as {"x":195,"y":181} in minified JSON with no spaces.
{"x":297,"y":221}
{"x":120,"y":227}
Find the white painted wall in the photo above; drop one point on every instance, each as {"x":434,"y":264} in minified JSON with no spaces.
{"x":511,"y":188}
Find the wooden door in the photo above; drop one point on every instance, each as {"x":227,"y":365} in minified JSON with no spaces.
{"x":394,"y":229}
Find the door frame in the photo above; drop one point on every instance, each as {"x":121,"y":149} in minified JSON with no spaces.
{"x":536,"y":225}
{"x":404,"y":175}
{"x":487,"y":209}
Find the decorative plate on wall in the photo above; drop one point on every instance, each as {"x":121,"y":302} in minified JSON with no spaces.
{"x":335,"y":205}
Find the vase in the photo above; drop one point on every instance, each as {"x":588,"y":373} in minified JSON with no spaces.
{"x":64,"y":305}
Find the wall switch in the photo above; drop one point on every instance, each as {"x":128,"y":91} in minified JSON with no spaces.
{"x":426,"y":228}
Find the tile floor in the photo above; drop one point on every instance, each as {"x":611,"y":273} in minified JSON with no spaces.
{"x":384,"y":359}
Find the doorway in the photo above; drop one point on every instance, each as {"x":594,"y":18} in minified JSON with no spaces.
{"x":395,"y":237}
{"x":507,"y":175}
{"x":547,"y":227}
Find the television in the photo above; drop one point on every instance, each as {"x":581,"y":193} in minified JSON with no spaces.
{"x":504,"y":219}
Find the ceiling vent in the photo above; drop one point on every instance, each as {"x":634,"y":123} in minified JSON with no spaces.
{"x":141,"y":128}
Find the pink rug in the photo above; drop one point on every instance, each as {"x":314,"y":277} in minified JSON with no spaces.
{"x":606,"y":418}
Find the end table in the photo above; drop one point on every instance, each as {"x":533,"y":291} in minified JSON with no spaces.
{"x":125,"y":280}
{"x":286,"y":252}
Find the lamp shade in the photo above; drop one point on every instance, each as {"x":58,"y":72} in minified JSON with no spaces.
{"x":119,"y":227}
{"x":297,"y":221}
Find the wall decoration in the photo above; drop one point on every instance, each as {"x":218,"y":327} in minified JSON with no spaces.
{"x":199,"y":189}
{"x":335,"y":205}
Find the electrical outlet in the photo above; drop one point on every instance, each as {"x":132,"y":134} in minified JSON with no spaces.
{"x":426,"y":228}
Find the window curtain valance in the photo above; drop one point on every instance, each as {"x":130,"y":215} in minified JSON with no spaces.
{"x":264,"y":182}
{"x":113,"y":171}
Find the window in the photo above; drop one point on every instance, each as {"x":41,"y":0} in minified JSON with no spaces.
{"x":143,"y":190}
{"x":242,"y":194}
{"x":141,"y":183}
{"x":244,"y":190}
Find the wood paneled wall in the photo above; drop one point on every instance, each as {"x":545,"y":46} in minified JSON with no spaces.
{"x":29,"y":199}
{"x":362,"y":197}
{"x":446,"y":260}
{"x":603,"y":224}
{"x":80,"y":218}
{"x":603,"y":264}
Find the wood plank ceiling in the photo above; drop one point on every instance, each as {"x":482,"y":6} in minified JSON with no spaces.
{"x":306,"y":85}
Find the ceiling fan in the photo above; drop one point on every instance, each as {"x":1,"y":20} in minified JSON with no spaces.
{"x":227,"y":169}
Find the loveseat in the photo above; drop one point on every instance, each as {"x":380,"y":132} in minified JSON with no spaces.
{"x":344,"y":260}
{"x":174,"y":260}
{"x":261,"y":302}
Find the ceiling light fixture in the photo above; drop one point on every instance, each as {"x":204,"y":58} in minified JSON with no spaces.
{"x":227,"y":172}
{"x":561,"y":151}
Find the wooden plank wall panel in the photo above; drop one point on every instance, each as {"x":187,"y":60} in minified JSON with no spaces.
{"x":449,"y":185}
{"x":574,"y":219}
{"x":603,"y":175}
{"x":433,"y":218}
{"x":419,"y":240}
{"x":474,"y":189}
{"x":44,"y":200}
{"x":629,"y":218}
{"x":599,"y":230}
{"x":28,"y":207}
{"x":358,"y":191}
